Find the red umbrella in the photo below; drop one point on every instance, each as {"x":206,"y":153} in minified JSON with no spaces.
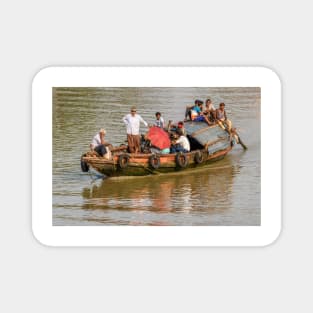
{"x":158,"y":138}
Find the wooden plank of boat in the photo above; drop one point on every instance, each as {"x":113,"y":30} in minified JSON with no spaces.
{"x":204,"y":134}
{"x":142,"y":168}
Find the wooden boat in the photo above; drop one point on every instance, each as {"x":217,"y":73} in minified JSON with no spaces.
{"x":208,"y":144}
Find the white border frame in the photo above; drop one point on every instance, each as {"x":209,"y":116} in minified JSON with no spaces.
{"x":156,"y":77}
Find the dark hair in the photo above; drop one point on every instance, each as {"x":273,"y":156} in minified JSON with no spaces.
{"x":179,"y":132}
{"x":180,"y":123}
{"x":199,"y":102}
{"x":207,"y":100}
{"x":222,"y":104}
{"x":157,"y":113}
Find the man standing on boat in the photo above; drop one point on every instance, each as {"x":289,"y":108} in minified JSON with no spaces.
{"x":132,"y":122}
{"x":159,"y":122}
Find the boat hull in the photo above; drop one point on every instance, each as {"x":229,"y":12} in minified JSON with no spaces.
{"x":139,"y":165}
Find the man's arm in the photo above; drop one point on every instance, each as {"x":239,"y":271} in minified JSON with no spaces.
{"x":102,"y":138}
{"x":217,"y":114}
{"x":179,"y":141}
{"x":93,"y":143}
{"x":125,"y":120}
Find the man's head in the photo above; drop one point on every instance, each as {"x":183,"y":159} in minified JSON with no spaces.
{"x":198,"y":102}
{"x":133,"y":111}
{"x":102,"y":131}
{"x":158,"y":115}
{"x":222,"y":105}
{"x":180,"y":124}
{"x":208,"y":102}
{"x":179,"y":132}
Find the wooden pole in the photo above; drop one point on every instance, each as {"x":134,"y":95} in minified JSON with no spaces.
{"x":239,"y":140}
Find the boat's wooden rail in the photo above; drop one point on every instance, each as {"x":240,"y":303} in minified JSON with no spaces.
{"x":119,"y":149}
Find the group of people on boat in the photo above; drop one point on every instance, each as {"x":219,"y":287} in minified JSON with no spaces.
{"x":179,"y":141}
{"x":177,"y":134}
{"x":208,"y":114}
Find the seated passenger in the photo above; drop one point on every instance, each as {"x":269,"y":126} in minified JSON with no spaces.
{"x":210,"y":110}
{"x":222,"y":118}
{"x":180,"y":125}
{"x":197,"y":107}
{"x":202,"y":116}
{"x":159,"y":122}
{"x":181,"y":144}
{"x":101,"y":146}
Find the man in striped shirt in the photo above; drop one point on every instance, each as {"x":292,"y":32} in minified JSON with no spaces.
{"x":159,"y":122}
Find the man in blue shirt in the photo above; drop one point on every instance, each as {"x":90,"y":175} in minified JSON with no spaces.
{"x":197,"y":107}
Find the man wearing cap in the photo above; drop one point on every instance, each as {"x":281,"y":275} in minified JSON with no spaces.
{"x":98,"y":143}
{"x":132,"y":122}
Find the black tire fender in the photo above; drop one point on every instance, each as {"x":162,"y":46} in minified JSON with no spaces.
{"x":123,"y":160}
{"x":199,"y":157}
{"x":181,"y":160}
{"x":154,"y":161}
{"x":83,"y":165}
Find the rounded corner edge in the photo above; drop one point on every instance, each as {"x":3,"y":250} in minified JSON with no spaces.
{"x":38,"y":238}
{"x":273,"y":237}
{"x":272,"y":74}
{"x":41,"y":73}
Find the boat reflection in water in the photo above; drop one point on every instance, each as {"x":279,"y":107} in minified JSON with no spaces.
{"x":163,"y":200}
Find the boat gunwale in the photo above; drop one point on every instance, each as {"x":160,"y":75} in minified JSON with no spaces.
{"x":102,"y":161}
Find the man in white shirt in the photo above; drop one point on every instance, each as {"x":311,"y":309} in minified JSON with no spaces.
{"x":159,"y":122}
{"x":99,"y":145}
{"x":132,"y":122}
{"x":181,"y":144}
{"x":184,"y":142}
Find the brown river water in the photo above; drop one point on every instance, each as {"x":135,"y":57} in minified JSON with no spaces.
{"x":226,"y":192}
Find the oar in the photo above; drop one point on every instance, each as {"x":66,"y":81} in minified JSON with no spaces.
{"x":239,"y":139}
